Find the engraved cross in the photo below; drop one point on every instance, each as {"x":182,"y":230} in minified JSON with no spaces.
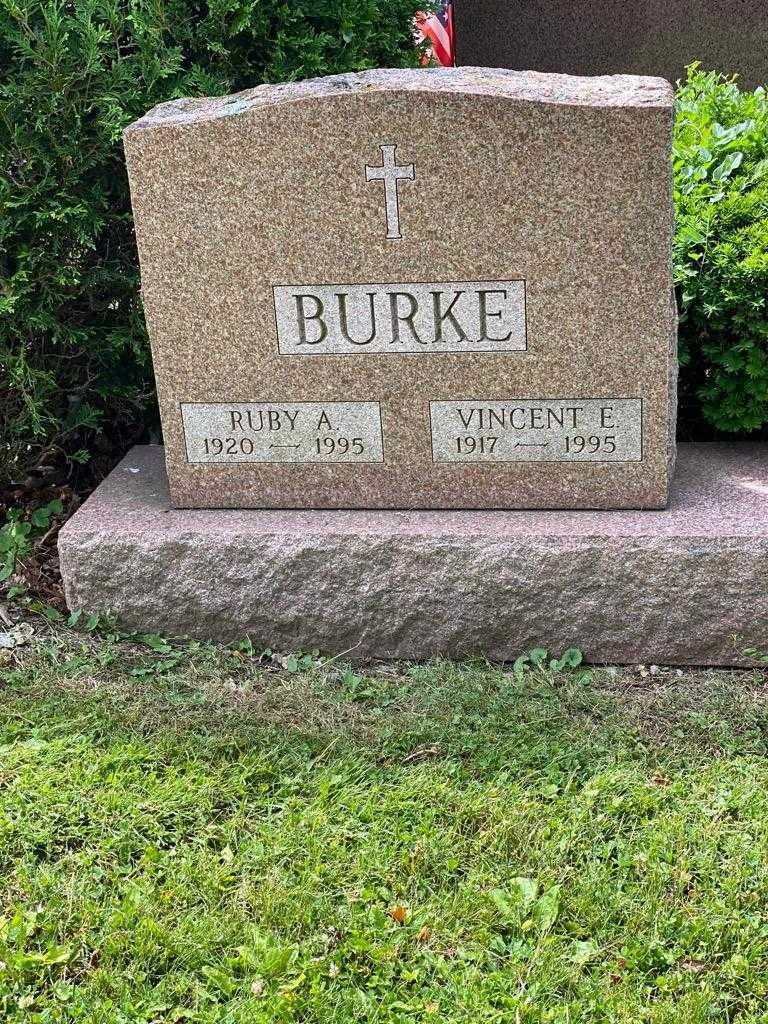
{"x":390,"y":174}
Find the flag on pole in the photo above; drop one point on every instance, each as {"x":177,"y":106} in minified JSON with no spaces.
{"x":436,"y":29}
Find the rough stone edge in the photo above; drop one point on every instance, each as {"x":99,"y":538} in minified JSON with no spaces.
{"x":288,"y":616}
{"x":154,"y":580}
{"x":567,"y":90}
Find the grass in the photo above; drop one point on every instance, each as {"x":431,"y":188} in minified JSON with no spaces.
{"x":190,"y":834}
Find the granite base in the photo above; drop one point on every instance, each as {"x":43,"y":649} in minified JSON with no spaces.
{"x":671,"y":587}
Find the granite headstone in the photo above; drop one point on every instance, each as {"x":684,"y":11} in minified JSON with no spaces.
{"x":444,"y":288}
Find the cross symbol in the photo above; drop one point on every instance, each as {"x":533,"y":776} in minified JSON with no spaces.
{"x":390,"y":174}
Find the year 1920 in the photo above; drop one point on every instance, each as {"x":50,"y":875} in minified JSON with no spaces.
{"x":228,"y":446}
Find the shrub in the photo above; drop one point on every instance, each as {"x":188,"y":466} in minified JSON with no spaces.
{"x":721,"y":254}
{"x":75,"y":373}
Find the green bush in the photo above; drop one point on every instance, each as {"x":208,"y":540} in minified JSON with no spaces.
{"x":75,"y":372}
{"x":721,"y":254}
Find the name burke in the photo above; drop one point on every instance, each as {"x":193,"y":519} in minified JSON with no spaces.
{"x":401,"y":318}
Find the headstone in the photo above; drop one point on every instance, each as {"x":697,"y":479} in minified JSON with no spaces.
{"x":401,"y":289}
{"x":644,"y":37}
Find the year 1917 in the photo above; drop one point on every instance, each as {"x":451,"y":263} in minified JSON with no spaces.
{"x":469,"y":445}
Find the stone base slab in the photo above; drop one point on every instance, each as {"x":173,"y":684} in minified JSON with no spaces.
{"x":671,"y":587}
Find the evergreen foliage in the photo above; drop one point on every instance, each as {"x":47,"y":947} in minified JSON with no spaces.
{"x":721,"y":254}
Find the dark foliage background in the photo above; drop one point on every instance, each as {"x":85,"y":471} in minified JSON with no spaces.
{"x":75,"y":373}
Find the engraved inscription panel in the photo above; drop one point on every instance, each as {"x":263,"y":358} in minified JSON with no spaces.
{"x":331,"y":432}
{"x":538,"y":430}
{"x":397,"y":319}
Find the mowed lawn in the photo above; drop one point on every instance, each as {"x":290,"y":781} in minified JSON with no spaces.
{"x":195,"y":835}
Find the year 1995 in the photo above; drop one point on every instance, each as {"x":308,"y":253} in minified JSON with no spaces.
{"x":580,"y":444}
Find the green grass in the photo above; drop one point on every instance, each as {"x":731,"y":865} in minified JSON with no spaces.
{"x":186,"y":835}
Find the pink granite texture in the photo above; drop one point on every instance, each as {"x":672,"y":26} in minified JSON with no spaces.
{"x":563,"y":185}
{"x":672,"y":586}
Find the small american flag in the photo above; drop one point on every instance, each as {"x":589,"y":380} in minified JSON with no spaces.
{"x":437,"y":30}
